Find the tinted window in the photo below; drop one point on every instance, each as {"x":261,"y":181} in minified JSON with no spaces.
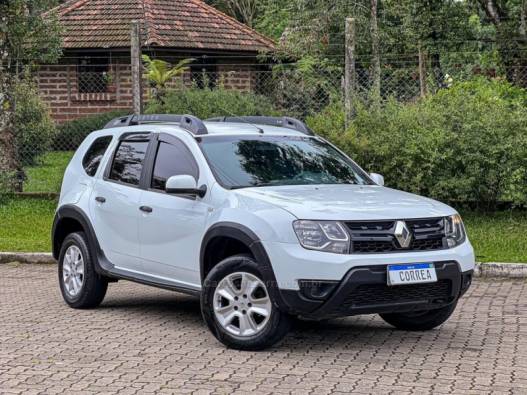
{"x":172,"y":159}
{"x":267,"y":160}
{"x":94,"y":155}
{"x":128,"y":162}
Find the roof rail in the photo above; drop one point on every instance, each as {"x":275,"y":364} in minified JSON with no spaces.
{"x":187,"y":122}
{"x":284,"y":122}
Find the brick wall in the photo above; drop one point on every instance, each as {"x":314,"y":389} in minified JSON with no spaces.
{"x":58,"y":85}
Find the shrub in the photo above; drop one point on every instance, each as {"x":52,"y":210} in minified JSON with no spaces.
{"x":72,"y":133}
{"x":467,"y":143}
{"x":206,"y":103}
{"x":34,"y":128}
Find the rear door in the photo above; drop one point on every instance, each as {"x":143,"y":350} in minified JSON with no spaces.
{"x":171,"y":233}
{"x":114,"y":203}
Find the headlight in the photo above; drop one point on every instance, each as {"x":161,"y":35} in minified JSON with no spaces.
{"x":329,"y":236}
{"x":454,"y":230}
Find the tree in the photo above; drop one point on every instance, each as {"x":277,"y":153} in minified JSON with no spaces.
{"x":159,"y":73}
{"x":27,"y":36}
{"x":509,"y":19}
{"x":244,"y":10}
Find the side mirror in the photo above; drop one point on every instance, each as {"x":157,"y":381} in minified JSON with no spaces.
{"x":377,"y":179}
{"x":184,"y":185}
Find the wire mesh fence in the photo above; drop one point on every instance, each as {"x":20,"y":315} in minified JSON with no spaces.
{"x":83,"y":95}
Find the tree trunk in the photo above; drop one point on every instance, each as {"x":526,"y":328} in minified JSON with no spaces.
{"x":512,"y":40}
{"x":376,"y":57}
{"x":9,"y":166}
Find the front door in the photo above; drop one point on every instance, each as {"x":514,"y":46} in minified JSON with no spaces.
{"x":171,"y":233}
{"x":114,"y":205}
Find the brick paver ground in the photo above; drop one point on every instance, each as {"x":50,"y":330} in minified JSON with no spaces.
{"x":144,"y":340}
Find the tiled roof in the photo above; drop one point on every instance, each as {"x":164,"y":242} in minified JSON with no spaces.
{"x":185,"y":24}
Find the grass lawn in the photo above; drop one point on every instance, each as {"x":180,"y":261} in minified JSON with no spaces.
{"x":47,"y":176}
{"x":497,"y":237}
{"x":26,"y":224}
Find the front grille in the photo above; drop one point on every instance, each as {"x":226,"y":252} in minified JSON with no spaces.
{"x":378,"y":236}
{"x":382,"y":294}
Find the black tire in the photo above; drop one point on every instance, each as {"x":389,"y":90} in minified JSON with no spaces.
{"x":274,"y":330}
{"x":420,"y":321}
{"x":94,"y":286}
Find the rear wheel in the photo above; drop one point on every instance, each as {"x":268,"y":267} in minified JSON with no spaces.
{"x":420,"y":320}
{"x":238,"y":308}
{"x":81,"y":286}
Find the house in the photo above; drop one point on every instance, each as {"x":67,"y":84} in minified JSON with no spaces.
{"x":94,"y":74}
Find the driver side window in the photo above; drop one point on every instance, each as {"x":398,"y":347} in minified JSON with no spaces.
{"x":172,"y":159}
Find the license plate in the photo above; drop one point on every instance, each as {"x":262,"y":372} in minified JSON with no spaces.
{"x":411,"y":274}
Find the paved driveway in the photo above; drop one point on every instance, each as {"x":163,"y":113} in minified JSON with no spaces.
{"x":144,"y":340}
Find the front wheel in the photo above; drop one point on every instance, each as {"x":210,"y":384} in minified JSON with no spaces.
{"x":420,"y":320}
{"x":237,"y":306}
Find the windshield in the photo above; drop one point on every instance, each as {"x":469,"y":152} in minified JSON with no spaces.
{"x":249,"y":161}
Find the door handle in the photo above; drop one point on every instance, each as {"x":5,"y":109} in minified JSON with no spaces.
{"x":100,"y":199}
{"x":146,"y":209}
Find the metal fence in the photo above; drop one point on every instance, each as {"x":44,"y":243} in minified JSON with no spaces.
{"x":82,"y":95}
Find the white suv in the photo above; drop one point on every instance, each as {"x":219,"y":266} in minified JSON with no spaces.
{"x":260,"y":218}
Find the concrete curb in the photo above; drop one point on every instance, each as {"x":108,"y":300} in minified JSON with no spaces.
{"x":501,"y":270}
{"x":485,"y":270}
{"x":26,"y":257}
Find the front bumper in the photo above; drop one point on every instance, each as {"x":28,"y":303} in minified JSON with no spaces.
{"x":291,"y":262}
{"x":363,"y":290}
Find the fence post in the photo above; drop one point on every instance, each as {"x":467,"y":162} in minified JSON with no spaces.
{"x":422,"y":70}
{"x":349,"y":73}
{"x":135,"y":55}
{"x":376,"y":57}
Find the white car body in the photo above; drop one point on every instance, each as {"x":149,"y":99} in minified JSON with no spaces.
{"x":163,"y":246}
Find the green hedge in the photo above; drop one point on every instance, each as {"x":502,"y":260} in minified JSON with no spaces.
{"x":34,"y":128}
{"x":206,"y":103}
{"x":71,"y":133}
{"x":467,"y":143}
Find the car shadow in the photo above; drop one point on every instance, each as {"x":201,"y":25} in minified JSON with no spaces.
{"x":367,"y":331}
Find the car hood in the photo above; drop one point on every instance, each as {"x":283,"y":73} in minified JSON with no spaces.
{"x":347,"y":202}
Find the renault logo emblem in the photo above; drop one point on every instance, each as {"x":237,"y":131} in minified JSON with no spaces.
{"x":402,"y":234}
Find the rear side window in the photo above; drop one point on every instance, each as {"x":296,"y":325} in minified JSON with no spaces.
{"x":172,"y":159}
{"x":92,"y":158}
{"x":128,"y":162}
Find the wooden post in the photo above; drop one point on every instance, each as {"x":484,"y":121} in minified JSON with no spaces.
{"x":376,"y":57}
{"x":350,"y":76}
{"x":422,"y":70}
{"x":135,"y":54}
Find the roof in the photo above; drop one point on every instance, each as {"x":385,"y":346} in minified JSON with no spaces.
{"x":185,"y":24}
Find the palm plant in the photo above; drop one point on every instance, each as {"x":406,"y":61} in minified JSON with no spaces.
{"x":159,"y":73}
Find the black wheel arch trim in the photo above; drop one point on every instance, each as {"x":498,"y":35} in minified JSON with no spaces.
{"x":246,"y":236}
{"x":68,"y":211}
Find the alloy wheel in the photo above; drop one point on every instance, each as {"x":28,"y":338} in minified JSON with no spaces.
{"x":242,"y":305}
{"x":73,"y":270}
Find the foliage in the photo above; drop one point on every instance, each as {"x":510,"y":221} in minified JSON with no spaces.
{"x":206,"y":103}
{"x":33,"y":127}
{"x":467,"y":143}
{"x":159,"y":73}
{"x":71,"y":133}
{"x":26,"y":35}
{"x":305,"y":87}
